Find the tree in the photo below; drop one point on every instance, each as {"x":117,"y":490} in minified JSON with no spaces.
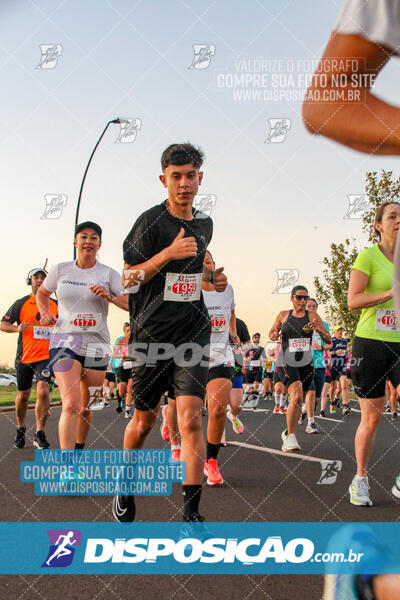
{"x":331,"y":289}
{"x":378,"y":190}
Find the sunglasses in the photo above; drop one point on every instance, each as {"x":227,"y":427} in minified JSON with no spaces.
{"x":301,"y":297}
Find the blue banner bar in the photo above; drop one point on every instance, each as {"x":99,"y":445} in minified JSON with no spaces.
{"x":212,"y":548}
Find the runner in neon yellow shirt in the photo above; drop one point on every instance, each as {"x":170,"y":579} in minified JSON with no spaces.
{"x":376,"y":345}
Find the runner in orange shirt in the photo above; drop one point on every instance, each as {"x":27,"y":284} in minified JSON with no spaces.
{"x":31,"y":359}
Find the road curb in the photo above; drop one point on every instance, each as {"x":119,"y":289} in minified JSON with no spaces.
{"x":11,"y":407}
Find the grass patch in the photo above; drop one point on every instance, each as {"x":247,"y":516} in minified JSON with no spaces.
{"x":7,"y":395}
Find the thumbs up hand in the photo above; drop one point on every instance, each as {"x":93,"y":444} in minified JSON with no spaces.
{"x":182,"y":247}
{"x":220,"y":280}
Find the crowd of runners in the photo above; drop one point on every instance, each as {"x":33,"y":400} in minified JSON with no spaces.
{"x":184,"y":354}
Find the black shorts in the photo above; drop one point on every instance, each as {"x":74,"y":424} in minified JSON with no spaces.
{"x":220,"y":372}
{"x":288,"y":375}
{"x":348,"y":374}
{"x":373,"y":362}
{"x":61,"y":360}
{"x":268,"y":375}
{"x":253,"y":375}
{"x":124,"y":375}
{"x":26,"y":371}
{"x":337,"y":372}
{"x":327,"y":379}
{"x":150,"y":383}
{"x":110,"y":377}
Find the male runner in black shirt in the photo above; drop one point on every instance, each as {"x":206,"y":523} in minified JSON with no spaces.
{"x":166,"y":246}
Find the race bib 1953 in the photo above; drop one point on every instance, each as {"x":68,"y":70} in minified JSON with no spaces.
{"x":182,"y":287}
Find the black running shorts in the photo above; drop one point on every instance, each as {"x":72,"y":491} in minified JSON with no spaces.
{"x":252,"y":376}
{"x":150,"y":382}
{"x":124,"y":375}
{"x":26,"y":371}
{"x":288,"y":375}
{"x":220,"y":372}
{"x":374,"y":361}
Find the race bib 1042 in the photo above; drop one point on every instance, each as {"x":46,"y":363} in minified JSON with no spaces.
{"x":42,"y":333}
{"x":387,"y":319}
{"x":218,"y":323}
{"x":182,"y":287}
{"x":85,"y":321}
{"x":299,"y":344}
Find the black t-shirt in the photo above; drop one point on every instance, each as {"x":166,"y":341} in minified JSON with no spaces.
{"x":242,"y":331}
{"x":254,"y":354}
{"x":244,"y":336}
{"x":158,"y":310}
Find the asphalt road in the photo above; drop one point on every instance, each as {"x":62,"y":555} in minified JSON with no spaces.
{"x":259,"y":486}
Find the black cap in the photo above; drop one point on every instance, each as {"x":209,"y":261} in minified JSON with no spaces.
{"x":88,"y":225}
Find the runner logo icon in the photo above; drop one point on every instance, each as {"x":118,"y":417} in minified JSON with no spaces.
{"x":278,"y":129}
{"x":62,"y":547}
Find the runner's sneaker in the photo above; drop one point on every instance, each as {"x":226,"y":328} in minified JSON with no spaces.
{"x":19,"y":441}
{"x":124,"y":509}
{"x":394,"y":416}
{"x":276,"y":409}
{"x":68,"y":477}
{"x":359,"y":491}
{"x":128,"y":411}
{"x":290,"y":443}
{"x":332,"y":409}
{"x":302,"y":417}
{"x":223,"y":440}
{"x":176,"y":454}
{"x":236,"y":423}
{"x":214,"y":477}
{"x":387,"y":408}
{"x":396,"y":487}
{"x":49,"y":413}
{"x":346,"y":409}
{"x":311,"y":428}
{"x":119,"y":408}
{"x":194,"y":527}
{"x":283,"y":410}
{"x":322,"y":413}
{"x":164,"y":425}
{"x":40,"y":440}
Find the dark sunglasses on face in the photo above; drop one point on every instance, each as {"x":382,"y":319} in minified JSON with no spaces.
{"x":301,"y":297}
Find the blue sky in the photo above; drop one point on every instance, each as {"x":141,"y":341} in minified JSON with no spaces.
{"x":278,"y":205}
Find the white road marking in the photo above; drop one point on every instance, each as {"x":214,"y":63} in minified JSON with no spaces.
{"x":279,"y":452}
